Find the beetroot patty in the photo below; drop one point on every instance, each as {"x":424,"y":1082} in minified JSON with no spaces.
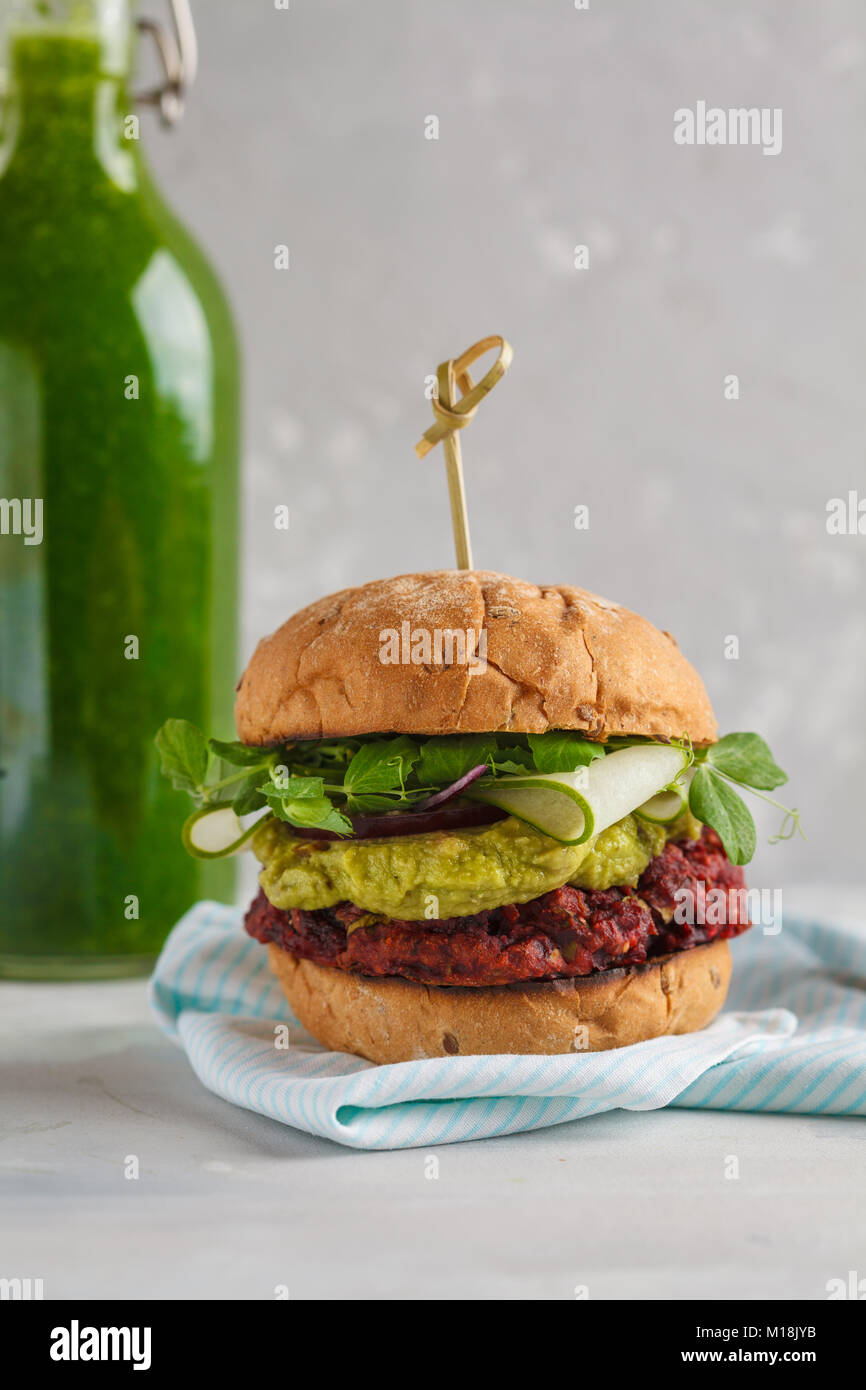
{"x":564,"y":933}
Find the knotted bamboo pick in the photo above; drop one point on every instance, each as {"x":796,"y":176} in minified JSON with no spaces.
{"x":451,"y":415}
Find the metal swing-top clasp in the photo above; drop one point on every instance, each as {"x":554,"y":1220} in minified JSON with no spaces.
{"x":178,"y":52}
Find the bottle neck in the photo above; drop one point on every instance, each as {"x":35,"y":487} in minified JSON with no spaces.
{"x":65,"y":102}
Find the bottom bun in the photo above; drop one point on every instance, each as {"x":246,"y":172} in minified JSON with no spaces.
{"x":395,"y":1020}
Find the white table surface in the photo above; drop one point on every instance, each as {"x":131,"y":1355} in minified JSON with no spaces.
{"x":231,"y":1205}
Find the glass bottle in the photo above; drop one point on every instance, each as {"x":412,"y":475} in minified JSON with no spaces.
{"x":118,"y":506}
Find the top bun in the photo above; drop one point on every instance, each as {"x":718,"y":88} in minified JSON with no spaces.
{"x":556,"y":658}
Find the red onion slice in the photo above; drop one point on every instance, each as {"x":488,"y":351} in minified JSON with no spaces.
{"x":448,"y":793}
{"x":394,"y":823}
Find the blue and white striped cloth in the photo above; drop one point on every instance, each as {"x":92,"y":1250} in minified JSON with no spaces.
{"x":792,"y":1038}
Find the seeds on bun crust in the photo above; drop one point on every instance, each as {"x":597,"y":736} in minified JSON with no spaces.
{"x":556,"y":657}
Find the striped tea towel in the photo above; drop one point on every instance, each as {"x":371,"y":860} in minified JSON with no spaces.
{"x":792,"y":1037}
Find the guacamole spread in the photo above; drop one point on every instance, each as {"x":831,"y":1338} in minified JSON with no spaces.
{"x":453,"y":873}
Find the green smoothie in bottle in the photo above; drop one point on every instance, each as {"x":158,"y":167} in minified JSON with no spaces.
{"x":118,"y":493}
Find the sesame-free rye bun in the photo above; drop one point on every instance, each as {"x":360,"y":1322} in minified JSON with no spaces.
{"x":395,"y":1020}
{"x":556,"y":658}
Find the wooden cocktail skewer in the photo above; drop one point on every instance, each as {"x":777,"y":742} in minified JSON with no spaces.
{"x":452,"y":413}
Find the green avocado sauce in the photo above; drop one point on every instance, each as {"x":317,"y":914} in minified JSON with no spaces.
{"x":118,"y":410}
{"x":453,"y":873}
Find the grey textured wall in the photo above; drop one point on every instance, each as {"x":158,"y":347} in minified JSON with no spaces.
{"x":307,"y":127}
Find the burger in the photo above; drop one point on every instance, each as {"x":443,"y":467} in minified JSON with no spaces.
{"x":491,"y":817}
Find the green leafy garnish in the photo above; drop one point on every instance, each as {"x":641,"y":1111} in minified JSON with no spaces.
{"x":511,"y":759}
{"x":237,"y":754}
{"x":194,"y":765}
{"x":713,"y":801}
{"x":744,"y":760}
{"x":308,"y":811}
{"x":318,"y":784}
{"x":184,"y":754}
{"x":562,"y":751}
{"x":446,"y":758}
{"x":381,"y":767}
{"x":247,"y":795}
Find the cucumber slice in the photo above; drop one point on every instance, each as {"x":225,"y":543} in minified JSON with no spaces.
{"x":549,"y":802}
{"x":573,"y":806}
{"x":663,"y":808}
{"x":666,"y":806}
{"x":214,"y":833}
